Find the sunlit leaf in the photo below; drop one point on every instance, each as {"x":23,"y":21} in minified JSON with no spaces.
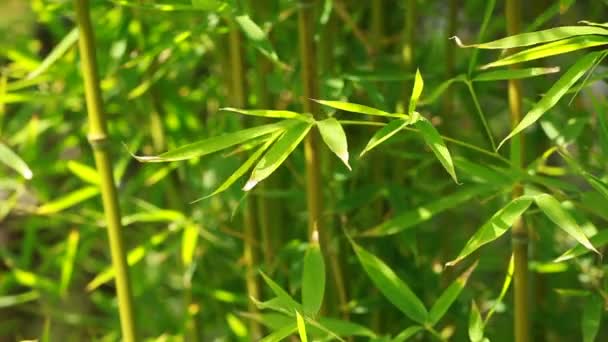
{"x":448,"y":296}
{"x":189,"y":243}
{"x":598,"y":240}
{"x":513,"y":74}
{"x":334,"y":137}
{"x":281,"y":334}
{"x":301,"y":327}
{"x":12,"y":160}
{"x":418,"y":86}
{"x":84,"y":172}
{"x":435,"y":142}
{"x":68,"y":201}
{"x":60,"y":49}
{"x":384,"y":134}
{"x":281,"y":114}
{"x":356,"y":108}
{"x":258,"y":37}
{"x":475,"y":324}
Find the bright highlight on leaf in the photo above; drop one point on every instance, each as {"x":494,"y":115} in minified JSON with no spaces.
{"x":12,"y":160}
{"x":334,"y":137}
{"x":418,"y":86}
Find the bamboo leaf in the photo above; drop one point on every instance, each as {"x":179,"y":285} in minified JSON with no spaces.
{"x":313,"y":280}
{"x":393,"y":288}
{"x":214,"y":144}
{"x":592,"y":317}
{"x":68,"y":201}
{"x":64,"y":45}
{"x":345,"y":328}
{"x":435,"y":142}
{"x":538,"y":37}
{"x":265,"y":113}
{"x":384,"y":134}
{"x":555,"y":93}
{"x":189,"y":243}
{"x":12,"y":160}
{"x":554,"y":211}
{"x":550,"y":49}
{"x":18,"y":299}
{"x":494,"y":228}
{"x":281,"y":334}
{"x":418,"y":86}
{"x":513,"y":74}
{"x":301,"y":327}
{"x":334,"y":137}
{"x":598,"y":240}
{"x":258,"y":38}
{"x":503,"y":292}
{"x":411,"y":218}
{"x":407,"y":333}
{"x":277,"y":154}
{"x":475,"y":324}
{"x":357,"y":108}
{"x":34,"y":281}
{"x":291,"y":304}
{"x":84,"y":172}
{"x":67,"y":265}
{"x":448,"y":296}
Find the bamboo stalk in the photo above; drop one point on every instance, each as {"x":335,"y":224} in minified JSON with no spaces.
{"x":98,"y":139}
{"x":314,"y":189}
{"x":237,"y":93}
{"x":519,"y":230}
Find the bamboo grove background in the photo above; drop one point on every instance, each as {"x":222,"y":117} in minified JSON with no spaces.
{"x":236,"y":170}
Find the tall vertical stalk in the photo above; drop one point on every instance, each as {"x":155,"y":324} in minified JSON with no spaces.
{"x":237,"y":94}
{"x":98,"y":139}
{"x":519,"y":230}
{"x":314,"y":189}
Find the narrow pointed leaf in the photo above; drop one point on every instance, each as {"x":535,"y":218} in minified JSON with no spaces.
{"x":189,"y":243}
{"x":448,"y":296}
{"x":68,"y":201}
{"x":214,"y":144}
{"x":513,"y":74}
{"x":407,"y":333}
{"x":334,"y":137}
{"x":277,"y":154}
{"x":503,"y":292}
{"x":313,"y":280}
{"x":345,"y":328}
{"x":301,"y":327}
{"x":550,"y":49}
{"x":356,"y":108}
{"x":598,"y":240}
{"x":411,"y":218}
{"x":281,"y":334}
{"x":384,"y":134}
{"x":84,"y":172}
{"x":418,"y":86}
{"x":592,"y":317}
{"x":67,"y":264}
{"x":281,"y":114}
{"x":66,"y":43}
{"x":555,"y":93}
{"x":12,"y":300}
{"x":12,"y":160}
{"x":393,"y":288}
{"x":435,"y":142}
{"x":538,"y":37}
{"x":494,"y":228}
{"x":475,"y":324}
{"x":258,"y":38}
{"x":554,"y":211}
{"x":281,"y":294}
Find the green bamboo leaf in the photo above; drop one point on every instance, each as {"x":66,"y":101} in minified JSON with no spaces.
{"x":345,"y":328}
{"x":265,"y":113}
{"x":357,"y":108}
{"x":68,"y":200}
{"x":384,"y":134}
{"x":448,"y":296}
{"x":214,"y":144}
{"x":189,"y":243}
{"x":550,"y":49}
{"x":243,"y":168}
{"x":436,"y":93}
{"x":393,"y":288}
{"x":154,"y":215}
{"x":67,"y":265}
{"x":554,"y":211}
{"x":538,"y":37}
{"x":413,"y":217}
{"x":495,"y":227}
{"x":258,"y":38}
{"x":555,"y":93}
{"x":301,"y":327}
{"x":281,"y":334}
{"x":313,"y":280}
{"x":34,"y":281}
{"x":64,"y":45}
{"x":282,"y":295}
{"x":598,"y":240}
{"x":407,"y":333}
{"x":209,"y":5}
{"x":503,"y":292}
{"x":18,"y":299}
{"x":475,"y":324}
{"x":435,"y":142}
{"x":84,"y":172}
{"x":513,"y":74}
{"x":133,"y":257}
{"x":418,"y":86}
{"x":12,"y":160}
{"x":334,"y":137}
{"x":277,"y":154}
{"x":592,"y":317}
{"x":597,"y":184}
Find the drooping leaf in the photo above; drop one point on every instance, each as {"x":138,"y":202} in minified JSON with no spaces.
{"x":301,"y":327}
{"x":277,"y":153}
{"x":356,"y":108}
{"x":334,"y":137}
{"x":384,"y":134}
{"x":411,"y":218}
{"x":393,"y":288}
{"x":538,"y":37}
{"x":418,"y":86}
{"x":214,"y":144}
{"x":555,"y":93}
{"x":554,"y":211}
{"x":592,"y":317}
{"x":475,"y":324}
{"x":313,"y":280}
{"x":435,"y":142}
{"x":550,"y":49}
{"x":495,"y":227}
{"x":68,"y":201}
{"x":12,"y":160}
{"x":448,"y":296}
{"x":598,"y":240}
{"x":265,"y":113}
{"x":513,"y":74}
